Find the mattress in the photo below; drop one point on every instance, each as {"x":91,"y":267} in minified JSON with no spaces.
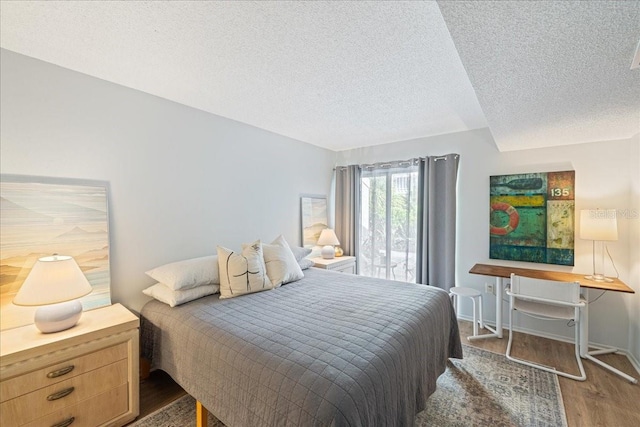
{"x":331,"y":349}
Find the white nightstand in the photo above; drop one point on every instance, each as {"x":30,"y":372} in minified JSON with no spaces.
{"x":86,"y":375}
{"x":343,"y":264}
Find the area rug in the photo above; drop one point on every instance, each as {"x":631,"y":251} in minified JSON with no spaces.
{"x":483,"y":389}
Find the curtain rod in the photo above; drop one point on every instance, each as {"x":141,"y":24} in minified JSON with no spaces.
{"x":455,"y":156}
{"x":384,"y":165}
{"x":399,"y":163}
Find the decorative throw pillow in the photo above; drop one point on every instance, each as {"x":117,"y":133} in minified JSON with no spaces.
{"x":242,"y":273}
{"x":282,"y":266}
{"x":168,"y":296}
{"x":187,"y":274}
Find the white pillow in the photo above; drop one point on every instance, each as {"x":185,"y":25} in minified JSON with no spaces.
{"x":299,"y":252}
{"x":169,"y":296}
{"x":187,"y":274}
{"x":316,"y":251}
{"x":242,"y":273}
{"x":282,"y":266}
{"x":305,"y":263}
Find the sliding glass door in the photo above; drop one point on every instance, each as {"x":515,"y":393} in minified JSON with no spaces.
{"x":388,"y":225}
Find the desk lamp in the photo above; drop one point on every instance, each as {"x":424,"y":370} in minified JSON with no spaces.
{"x":328,"y":240}
{"x":55,"y":283}
{"x":599,"y":225}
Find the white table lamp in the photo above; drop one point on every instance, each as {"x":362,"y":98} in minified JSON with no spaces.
{"x":55,"y":283}
{"x":599,"y":225}
{"x":328,"y":240}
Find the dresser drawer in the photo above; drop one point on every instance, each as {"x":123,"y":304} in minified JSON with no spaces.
{"x":94,"y":365}
{"x":344,"y":264}
{"x":17,"y":386}
{"x":95,"y":411}
{"x":349,"y":268}
{"x":46,"y":400}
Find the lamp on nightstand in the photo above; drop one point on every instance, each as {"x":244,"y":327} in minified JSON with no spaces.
{"x":328,"y":240}
{"x":55,"y":283}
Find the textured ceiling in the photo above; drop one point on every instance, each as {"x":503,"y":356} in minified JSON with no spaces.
{"x":550,"y":72}
{"x":334,"y":74}
{"x":350,"y":74}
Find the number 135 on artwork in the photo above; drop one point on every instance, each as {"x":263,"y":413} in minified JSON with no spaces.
{"x":559,"y":192}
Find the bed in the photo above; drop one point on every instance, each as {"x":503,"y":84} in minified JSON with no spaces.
{"x":331,"y":349}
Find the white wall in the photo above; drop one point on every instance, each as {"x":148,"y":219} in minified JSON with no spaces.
{"x":182,"y":180}
{"x":633,"y":304}
{"x":604,"y":173}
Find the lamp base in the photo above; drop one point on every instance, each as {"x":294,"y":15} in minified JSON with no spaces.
{"x":599,"y":278}
{"x":58,"y":317}
{"x":328,"y":252}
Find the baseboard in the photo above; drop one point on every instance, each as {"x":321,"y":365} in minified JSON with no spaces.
{"x":634,"y":362}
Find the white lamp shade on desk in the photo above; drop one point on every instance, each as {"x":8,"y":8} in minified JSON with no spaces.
{"x":328,"y":240}
{"x":55,"y":283}
{"x":598,"y":224}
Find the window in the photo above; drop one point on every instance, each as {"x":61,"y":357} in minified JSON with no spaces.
{"x":388,"y":224}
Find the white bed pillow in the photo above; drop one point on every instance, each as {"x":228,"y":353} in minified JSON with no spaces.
{"x":187,"y":274}
{"x":168,"y":296}
{"x":305,"y":263}
{"x":299,"y":252}
{"x":282,"y":266}
{"x":242,"y":273}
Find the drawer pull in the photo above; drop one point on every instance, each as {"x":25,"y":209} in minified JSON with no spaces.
{"x":60,"y":394}
{"x":65,"y":423}
{"x":60,"y":372}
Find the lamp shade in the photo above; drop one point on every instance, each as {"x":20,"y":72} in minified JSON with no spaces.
{"x":52,"y":280}
{"x":598,"y":224}
{"x":328,"y":237}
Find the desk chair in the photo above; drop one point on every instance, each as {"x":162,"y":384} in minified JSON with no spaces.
{"x":548,"y":300}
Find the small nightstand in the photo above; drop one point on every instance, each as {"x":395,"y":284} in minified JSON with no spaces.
{"x":86,"y":375}
{"x":343,"y":264}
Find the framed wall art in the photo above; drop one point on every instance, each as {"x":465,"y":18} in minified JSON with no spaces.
{"x":313,"y":210}
{"x":533,"y":217}
{"x":45,"y":216}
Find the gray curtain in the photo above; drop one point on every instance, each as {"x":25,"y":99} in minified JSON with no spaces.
{"x":347,"y":210}
{"x":436,"y":249}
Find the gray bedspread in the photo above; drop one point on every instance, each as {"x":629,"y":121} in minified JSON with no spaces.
{"x":329,"y":350}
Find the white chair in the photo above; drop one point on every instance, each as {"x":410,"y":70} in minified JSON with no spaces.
{"x":476,"y":297}
{"x":548,"y":300}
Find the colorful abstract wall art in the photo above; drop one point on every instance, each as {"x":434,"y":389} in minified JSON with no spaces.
{"x":533,"y":217}
{"x":45,"y":216}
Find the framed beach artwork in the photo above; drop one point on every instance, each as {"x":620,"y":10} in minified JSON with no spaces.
{"x":45,"y":216}
{"x":532,"y":217}
{"x":313,"y":218}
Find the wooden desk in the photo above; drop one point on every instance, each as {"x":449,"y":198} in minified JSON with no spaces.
{"x":505,"y":272}
{"x":501,"y":272}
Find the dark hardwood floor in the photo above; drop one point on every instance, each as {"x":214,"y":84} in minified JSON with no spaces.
{"x":156,"y":391}
{"x":604,"y":399}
